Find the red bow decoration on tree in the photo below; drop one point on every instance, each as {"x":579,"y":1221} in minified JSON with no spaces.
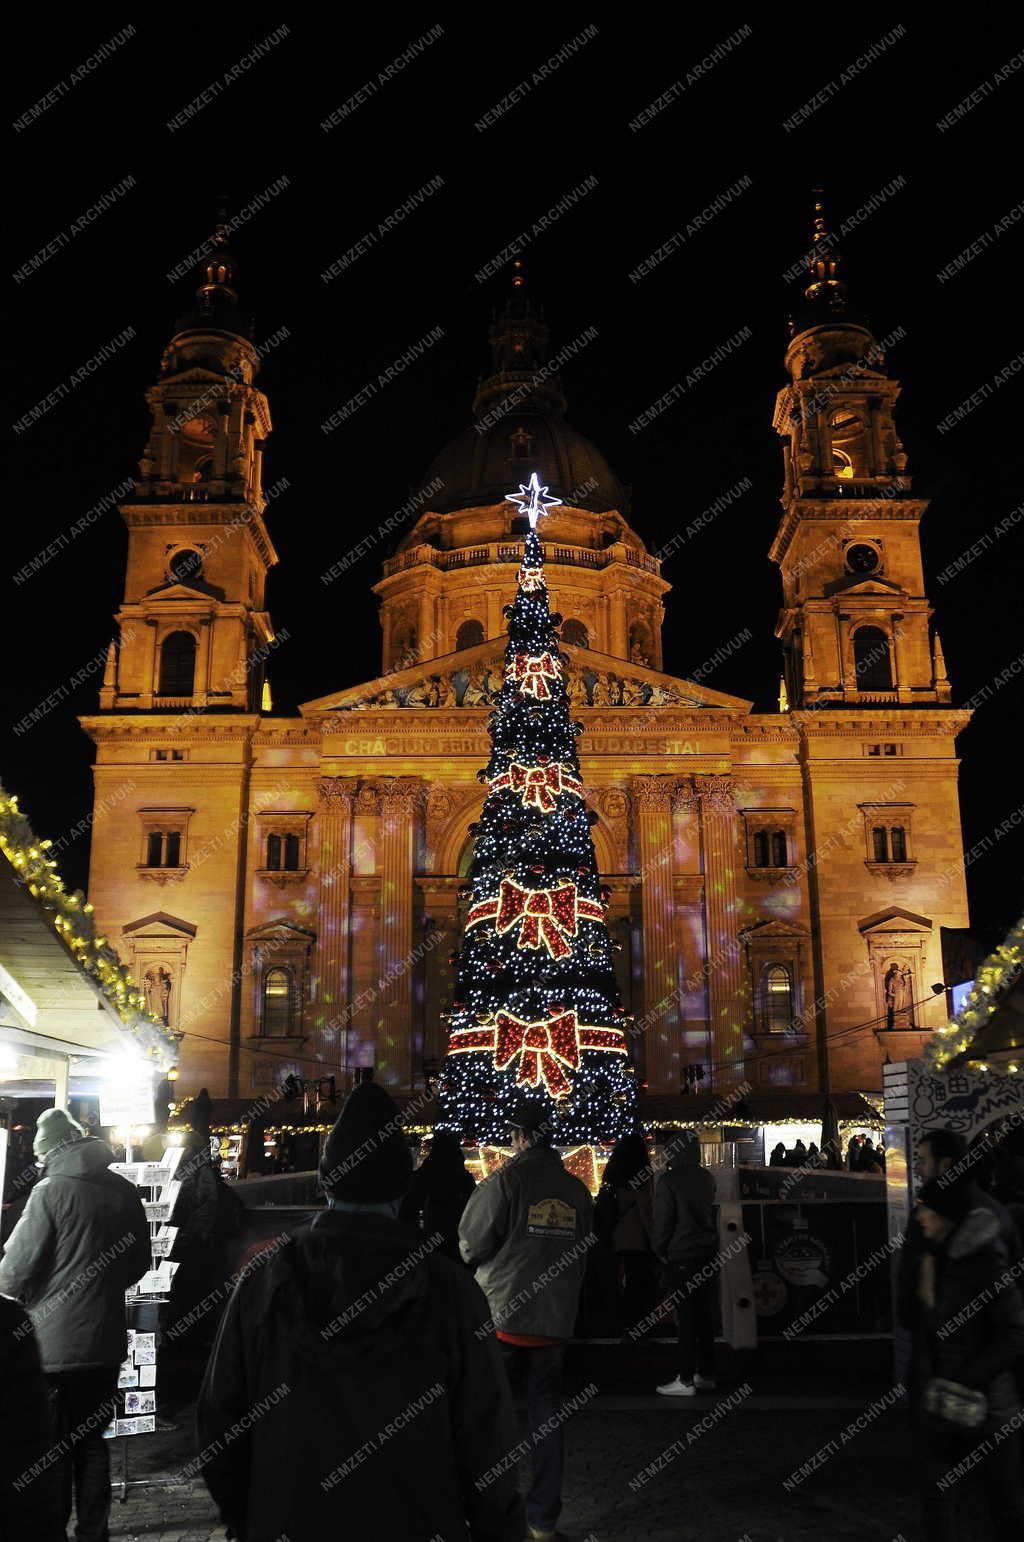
{"x":539,"y":785}
{"x":543,"y":1048}
{"x":540,"y":1047}
{"x":531,"y":579}
{"x":547,"y":916}
{"x":533,"y":673}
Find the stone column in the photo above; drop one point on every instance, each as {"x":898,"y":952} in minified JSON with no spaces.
{"x":336,"y":795}
{"x":618,"y":638}
{"x":425,"y":624}
{"x":652,"y":808}
{"x":400,"y":798}
{"x":727,"y":1005}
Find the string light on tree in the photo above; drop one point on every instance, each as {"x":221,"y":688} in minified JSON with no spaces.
{"x":537,"y":1011}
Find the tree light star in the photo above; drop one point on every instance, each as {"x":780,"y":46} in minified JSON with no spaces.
{"x":532,"y":499}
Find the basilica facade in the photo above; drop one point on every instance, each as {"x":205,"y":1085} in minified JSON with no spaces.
{"x":287,"y":888}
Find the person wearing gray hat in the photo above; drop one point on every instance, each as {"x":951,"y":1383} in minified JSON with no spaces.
{"x":82,"y":1240}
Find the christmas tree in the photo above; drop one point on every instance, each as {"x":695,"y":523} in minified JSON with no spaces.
{"x":536,"y":1012}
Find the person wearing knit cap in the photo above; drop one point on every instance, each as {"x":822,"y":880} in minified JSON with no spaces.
{"x":81,"y":1241}
{"x":968,"y":1325}
{"x":385,"y":1411}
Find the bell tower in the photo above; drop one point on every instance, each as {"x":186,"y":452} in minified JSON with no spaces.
{"x":192,"y":625}
{"x":855,"y":622}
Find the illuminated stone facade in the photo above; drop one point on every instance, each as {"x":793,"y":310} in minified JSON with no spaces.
{"x":288,"y":886}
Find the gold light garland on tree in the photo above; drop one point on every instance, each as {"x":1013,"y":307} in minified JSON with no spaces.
{"x":999,"y":971}
{"x":72,"y":918}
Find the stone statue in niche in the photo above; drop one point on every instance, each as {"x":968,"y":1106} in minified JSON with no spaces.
{"x":898,"y":989}
{"x":158,"y":993}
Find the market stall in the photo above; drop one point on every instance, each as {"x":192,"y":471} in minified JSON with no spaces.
{"x":73,"y":1029}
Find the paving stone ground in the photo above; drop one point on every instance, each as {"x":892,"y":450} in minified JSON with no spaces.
{"x":719,"y":1484}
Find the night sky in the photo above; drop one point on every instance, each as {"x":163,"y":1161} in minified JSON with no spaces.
{"x":726,"y":124}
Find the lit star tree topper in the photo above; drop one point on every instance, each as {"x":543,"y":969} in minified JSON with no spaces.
{"x":536,"y":1011}
{"x":532,"y":499}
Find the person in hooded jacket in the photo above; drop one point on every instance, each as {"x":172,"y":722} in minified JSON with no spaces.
{"x":686,"y":1240}
{"x":82,"y":1240}
{"x":968,"y":1325}
{"x":354,"y":1388}
{"x":196,"y":1247}
{"x":628,"y":1187}
{"x":437,"y":1195}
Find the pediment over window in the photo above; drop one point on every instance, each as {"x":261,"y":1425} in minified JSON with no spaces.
{"x":192,"y":592}
{"x":894,"y":919}
{"x":281,"y":932}
{"x":763,"y":931}
{"x":865,"y":588}
{"x":159,"y":924}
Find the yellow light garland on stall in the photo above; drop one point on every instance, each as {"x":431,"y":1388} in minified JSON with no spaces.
{"x":999,"y":971}
{"x":71,"y":916}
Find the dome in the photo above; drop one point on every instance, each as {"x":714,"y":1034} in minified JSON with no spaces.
{"x":482,"y":464}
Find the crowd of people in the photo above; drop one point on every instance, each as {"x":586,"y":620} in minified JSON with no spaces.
{"x":384,"y":1343}
{"x":862,"y":1156}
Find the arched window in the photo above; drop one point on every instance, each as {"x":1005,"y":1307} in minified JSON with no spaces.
{"x":871,"y":659}
{"x":177,"y":664}
{"x":273,"y":853}
{"x":277,"y":1002}
{"x":779,"y":855}
{"x":777,"y":999}
{"x":469,"y":634}
{"x":761,"y":848}
{"x":574,"y":632}
{"x":155,"y":848}
{"x":291,"y":853}
{"x":879,"y":844}
{"x":898,"y":843}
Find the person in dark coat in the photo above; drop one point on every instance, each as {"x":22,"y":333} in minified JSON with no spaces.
{"x":354,"y":1388}
{"x":943,"y":1154}
{"x":968,"y":1324}
{"x":778,"y":1156}
{"x":628,"y":1186}
{"x":196,"y":1247}
{"x":686,"y":1240}
{"x":82,"y":1240}
{"x":30,"y":1500}
{"x":437,"y":1195}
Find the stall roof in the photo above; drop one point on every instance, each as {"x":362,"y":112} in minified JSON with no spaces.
{"x":60,"y":981}
{"x":69,"y":1005}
